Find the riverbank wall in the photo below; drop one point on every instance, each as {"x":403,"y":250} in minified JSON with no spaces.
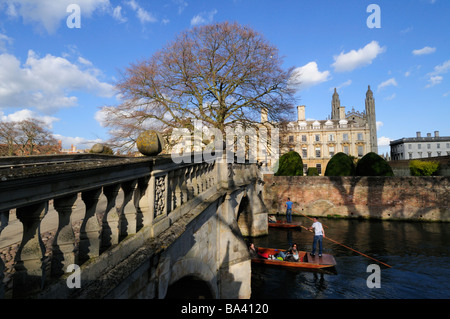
{"x":396,"y":198}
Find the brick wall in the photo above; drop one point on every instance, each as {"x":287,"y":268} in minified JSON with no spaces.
{"x":409,"y":198}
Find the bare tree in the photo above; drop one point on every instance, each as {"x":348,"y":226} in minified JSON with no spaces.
{"x":9,"y":133}
{"x":32,"y":133}
{"x":221,"y":74}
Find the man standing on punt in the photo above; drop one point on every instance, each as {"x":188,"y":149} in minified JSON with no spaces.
{"x":319,"y":233}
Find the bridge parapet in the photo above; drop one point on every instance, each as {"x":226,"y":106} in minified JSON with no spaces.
{"x":151,"y":189}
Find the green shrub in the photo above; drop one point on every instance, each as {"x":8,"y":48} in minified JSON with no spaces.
{"x":423,"y":168}
{"x":372,"y":164}
{"x":290,"y":164}
{"x":312,"y":171}
{"x":340,"y":165}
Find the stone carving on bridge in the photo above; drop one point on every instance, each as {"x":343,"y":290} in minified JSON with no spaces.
{"x":160,"y":193}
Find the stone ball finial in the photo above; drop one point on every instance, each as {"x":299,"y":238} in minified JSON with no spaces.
{"x":97,"y":148}
{"x":150,"y":143}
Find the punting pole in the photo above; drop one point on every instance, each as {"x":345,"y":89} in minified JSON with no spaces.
{"x":336,"y":242}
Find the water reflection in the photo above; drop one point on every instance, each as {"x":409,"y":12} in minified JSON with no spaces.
{"x":419,"y":254}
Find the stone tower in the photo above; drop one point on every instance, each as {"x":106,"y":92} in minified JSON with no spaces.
{"x":371,"y":120}
{"x":335,"y":106}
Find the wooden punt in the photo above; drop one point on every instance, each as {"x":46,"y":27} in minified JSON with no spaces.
{"x":307,"y":261}
{"x":285,"y":224}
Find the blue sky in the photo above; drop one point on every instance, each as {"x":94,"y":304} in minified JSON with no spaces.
{"x":64,"y":75}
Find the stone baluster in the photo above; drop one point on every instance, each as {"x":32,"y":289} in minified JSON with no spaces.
{"x":29,"y":277}
{"x":64,"y":242}
{"x":184,"y":185}
{"x":90,"y":228}
{"x":176,"y":189}
{"x":141,"y":203}
{"x":127,"y":215}
{"x":110,"y":221}
{"x":195,"y":179}
{"x":188,"y":183}
{"x":4,"y":220}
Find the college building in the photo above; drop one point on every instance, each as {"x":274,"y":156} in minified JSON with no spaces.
{"x":353,"y":133}
{"x":420,"y":147}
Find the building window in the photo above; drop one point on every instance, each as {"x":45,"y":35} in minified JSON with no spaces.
{"x":317,"y":137}
{"x":360,"y":151}
{"x":448,"y":145}
{"x":438,"y":153}
{"x":410,"y":155}
{"x":428,"y":146}
{"x":291,"y":139}
{"x":303,"y":138}
{"x":420,"y":154}
{"x":346,"y":150}
{"x":419,"y":146}
{"x":319,"y":168}
{"x":304,"y":152}
{"x":429,"y":154}
{"x":317,"y":151}
{"x":438,"y":145}
{"x":360,"y":136}
{"x":345,"y":137}
{"x":331,"y":151}
{"x":409,"y":146}
{"x":330,"y":137}
{"x":305,"y":168}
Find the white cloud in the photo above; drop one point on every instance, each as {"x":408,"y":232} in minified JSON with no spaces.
{"x":117,"y":14}
{"x":4,"y":42}
{"x":345,"y":62}
{"x":79,"y":142}
{"x":143,"y":15}
{"x":379,"y":124}
{"x":308,"y":75}
{"x":390,"y":97}
{"x":84,"y":61}
{"x":425,"y":50}
{"x":390,"y":82}
{"x":434,"y":80}
{"x":442,"y":68}
{"x":342,"y":85}
{"x":48,"y":14}
{"x":45,"y":83}
{"x":26,"y":114}
{"x":384,"y":141}
{"x":181,"y":5}
{"x":203,"y":18}
{"x":435,"y":77}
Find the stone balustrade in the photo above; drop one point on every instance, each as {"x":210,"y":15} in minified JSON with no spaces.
{"x":137,"y":192}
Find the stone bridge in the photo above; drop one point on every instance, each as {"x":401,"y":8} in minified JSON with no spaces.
{"x":98,"y":226}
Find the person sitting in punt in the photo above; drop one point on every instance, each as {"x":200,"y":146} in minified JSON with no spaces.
{"x":253,"y":250}
{"x":290,"y":255}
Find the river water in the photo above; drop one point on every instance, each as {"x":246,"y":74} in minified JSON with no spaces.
{"x":419,"y":254}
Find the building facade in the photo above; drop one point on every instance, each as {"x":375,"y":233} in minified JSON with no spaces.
{"x":420,"y":147}
{"x":353,"y":133}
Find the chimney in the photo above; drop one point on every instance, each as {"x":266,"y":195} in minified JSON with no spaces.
{"x":342,"y":113}
{"x":301,"y":113}
{"x":418,"y":134}
{"x":436,"y":133}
